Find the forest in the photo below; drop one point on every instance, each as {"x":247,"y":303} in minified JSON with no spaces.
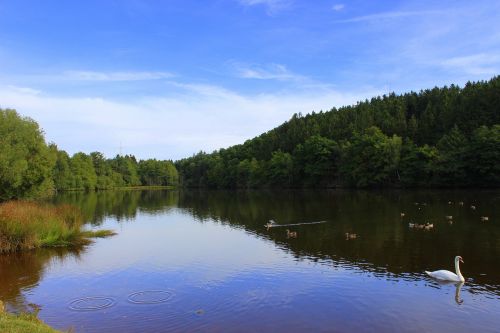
{"x":440,"y":137}
{"x":31,"y":168}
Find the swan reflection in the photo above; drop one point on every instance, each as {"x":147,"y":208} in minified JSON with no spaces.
{"x":458,"y":289}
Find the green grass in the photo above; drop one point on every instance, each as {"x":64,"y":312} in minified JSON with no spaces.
{"x":22,"y":323}
{"x":26,"y":225}
{"x":98,"y":233}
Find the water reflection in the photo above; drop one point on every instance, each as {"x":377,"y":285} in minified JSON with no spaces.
{"x":120,"y":205}
{"x":21,"y":272}
{"x":212,"y":250}
{"x":458,"y":288}
{"x":383,"y":242}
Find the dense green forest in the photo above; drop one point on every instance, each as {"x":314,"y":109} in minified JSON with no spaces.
{"x":31,"y":168}
{"x":440,"y":137}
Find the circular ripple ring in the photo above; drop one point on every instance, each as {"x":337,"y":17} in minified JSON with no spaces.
{"x":91,"y":303}
{"x":150,"y":296}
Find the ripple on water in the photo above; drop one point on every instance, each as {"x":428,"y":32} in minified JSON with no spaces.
{"x":150,"y":296}
{"x":92,"y":303}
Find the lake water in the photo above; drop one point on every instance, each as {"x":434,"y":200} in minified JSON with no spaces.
{"x":204,"y":261}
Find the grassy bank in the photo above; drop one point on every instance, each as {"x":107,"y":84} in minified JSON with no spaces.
{"x":23,"y":323}
{"x":28,"y":225}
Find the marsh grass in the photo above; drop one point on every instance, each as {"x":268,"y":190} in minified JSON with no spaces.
{"x":27,"y":225}
{"x":22,"y":323}
{"x":98,"y":233}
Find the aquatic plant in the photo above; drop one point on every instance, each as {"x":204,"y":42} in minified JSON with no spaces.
{"x":27,"y":225}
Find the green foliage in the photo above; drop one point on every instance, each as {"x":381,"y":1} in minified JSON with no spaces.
{"x":23,"y":323}
{"x":84,"y":175}
{"x":26,"y":161}
{"x":371,"y":159}
{"x":31,"y":169}
{"x":450,"y":165}
{"x":416,"y":164}
{"x":316,"y":160}
{"x":154,"y":172}
{"x":62,"y":174}
{"x":280,"y":169}
{"x":444,"y":129}
{"x":483,"y":156}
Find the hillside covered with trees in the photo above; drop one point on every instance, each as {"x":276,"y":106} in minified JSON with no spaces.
{"x":31,"y":168}
{"x":440,"y":137}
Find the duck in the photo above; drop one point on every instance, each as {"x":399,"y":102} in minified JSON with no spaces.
{"x":445,"y":275}
{"x":461,"y":203}
{"x":270,"y":224}
{"x":449,"y":202}
{"x":428,"y":226}
{"x":411,"y":225}
{"x":402,"y":214}
{"x":485,"y":218}
{"x":473,"y":207}
{"x":350,"y":236}
{"x":449,"y":217}
{"x":291,"y":234}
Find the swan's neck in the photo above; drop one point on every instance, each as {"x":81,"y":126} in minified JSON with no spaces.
{"x":457,"y":269}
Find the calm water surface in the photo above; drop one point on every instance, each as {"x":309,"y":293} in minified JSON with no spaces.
{"x":203,"y":261}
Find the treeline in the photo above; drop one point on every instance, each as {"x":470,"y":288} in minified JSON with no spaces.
{"x":440,"y":137}
{"x":30,"y":168}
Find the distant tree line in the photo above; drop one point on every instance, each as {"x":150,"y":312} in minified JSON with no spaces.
{"x":30,"y":168}
{"x":440,"y":137}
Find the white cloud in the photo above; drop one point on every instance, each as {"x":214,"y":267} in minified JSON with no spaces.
{"x":389,"y":15}
{"x":269,"y":72}
{"x":272,"y":5}
{"x":114,"y":76}
{"x":198,"y":117}
{"x":338,"y":7}
{"x":24,"y":90}
{"x":475,"y":64}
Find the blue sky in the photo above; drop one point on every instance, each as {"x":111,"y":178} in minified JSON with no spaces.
{"x":167,"y":79}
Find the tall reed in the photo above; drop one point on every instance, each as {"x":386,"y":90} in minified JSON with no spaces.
{"x":27,"y":225}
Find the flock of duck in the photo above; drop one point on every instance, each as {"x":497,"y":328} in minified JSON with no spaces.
{"x":442,"y":275}
{"x":449,"y":218}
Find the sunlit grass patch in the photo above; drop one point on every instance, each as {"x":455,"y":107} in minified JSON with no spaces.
{"x":98,"y":233}
{"x":23,"y":323}
{"x":27,"y":225}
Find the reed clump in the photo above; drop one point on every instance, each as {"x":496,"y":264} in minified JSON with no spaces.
{"x":26,"y":225}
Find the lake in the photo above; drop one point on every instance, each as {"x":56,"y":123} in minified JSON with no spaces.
{"x":204,"y":261}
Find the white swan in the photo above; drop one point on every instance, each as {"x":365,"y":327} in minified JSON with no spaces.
{"x":445,"y":275}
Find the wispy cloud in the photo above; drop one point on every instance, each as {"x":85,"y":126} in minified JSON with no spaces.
{"x":389,"y":16}
{"x":23,"y":90}
{"x":475,"y":64}
{"x":272,"y":5}
{"x":338,"y":7}
{"x":269,"y":72}
{"x":114,"y":76}
{"x":195,"y":117}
